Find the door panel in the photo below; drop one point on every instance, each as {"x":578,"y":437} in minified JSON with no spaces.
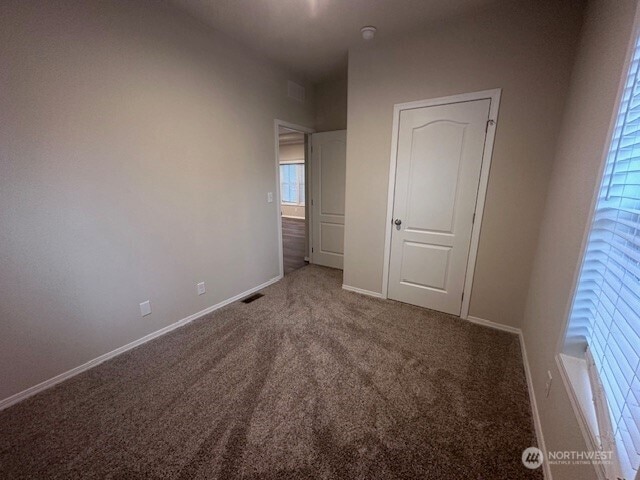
{"x":332,"y":157}
{"x":328,"y":170}
{"x":440,"y":151}
{"x":432,"y":184}
{"x":414,"y":255}
{"x":332,"y":238}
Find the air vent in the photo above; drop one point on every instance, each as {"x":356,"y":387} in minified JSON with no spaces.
{"x":253,"y":298}
{"x":295,"y":91}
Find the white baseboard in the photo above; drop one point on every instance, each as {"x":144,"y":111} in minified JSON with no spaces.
{"x":293,"y":216}
{"x":490,"y":324}
{"x":527,"y":371}
{"x":362,"y":291}
{"x":13,"y":399}
{"x":534,"y":409}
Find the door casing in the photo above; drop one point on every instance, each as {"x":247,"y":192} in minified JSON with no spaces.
{"x":494,"y":96}
{"x":306,"y":130}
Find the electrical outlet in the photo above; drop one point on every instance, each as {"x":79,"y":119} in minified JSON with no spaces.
{"x":270,"y":197}
{"x":201,"y":288}
{"x":145,"y":308}
{"x":547,"y":387}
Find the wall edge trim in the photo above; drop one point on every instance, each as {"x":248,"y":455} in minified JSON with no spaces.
{"x":42,"y":386}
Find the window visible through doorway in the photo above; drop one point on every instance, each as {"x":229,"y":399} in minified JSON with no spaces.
{"x":292,"y":183}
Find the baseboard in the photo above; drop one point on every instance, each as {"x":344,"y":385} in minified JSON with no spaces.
{"x":537,"y":424}
{"x":18,"y":397}
{"x":362,"y":291}
{"x":293,"y":216}
{"x":495,"y":325}
{"x":546,"y":469}
{"x":13,"y":399}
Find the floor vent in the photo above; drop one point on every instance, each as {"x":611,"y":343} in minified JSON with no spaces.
{"x":252,"y":298}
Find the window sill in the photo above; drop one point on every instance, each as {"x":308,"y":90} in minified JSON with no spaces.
{"x":575,"y":376}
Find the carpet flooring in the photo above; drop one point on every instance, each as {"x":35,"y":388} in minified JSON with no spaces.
{"x":309,"y":381}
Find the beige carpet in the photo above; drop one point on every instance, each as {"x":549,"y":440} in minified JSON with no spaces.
{"x":309,"y":381}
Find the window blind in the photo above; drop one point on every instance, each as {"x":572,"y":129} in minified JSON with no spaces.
{"x":605,"y":316}
{"x":292,"y":183}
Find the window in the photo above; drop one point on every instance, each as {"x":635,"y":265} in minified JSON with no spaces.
{"x":292,"y":183}
{"x":604,"y":325}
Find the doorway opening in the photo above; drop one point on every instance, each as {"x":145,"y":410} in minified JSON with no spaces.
{"x":293,"y":183}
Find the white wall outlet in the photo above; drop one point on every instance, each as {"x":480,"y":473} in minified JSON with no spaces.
{"x":270,"y":197}
{"x":201,"y":288}
{"x":547,"y":387}
{"x":145,"y":308}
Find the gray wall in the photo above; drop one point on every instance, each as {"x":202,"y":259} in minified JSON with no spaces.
{"x":524,"y":48}
{"x":129,"y":133}
{"x":331,"y":104}
{"x":575,"y":175}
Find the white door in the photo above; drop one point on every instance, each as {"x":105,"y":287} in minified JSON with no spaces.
{"x":440,"y":151}
{"x":328,"y":168}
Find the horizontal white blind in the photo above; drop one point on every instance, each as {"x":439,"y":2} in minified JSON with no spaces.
{"x":606,"y":310}
{"x":292,"y":183}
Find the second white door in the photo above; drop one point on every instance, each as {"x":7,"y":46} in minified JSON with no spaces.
{"x":439,"y":158}
{"x":328,"y":170}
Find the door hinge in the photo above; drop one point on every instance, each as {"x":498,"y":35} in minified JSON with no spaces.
{"x":311,"y":249}
{"x":489,"y":122}
{"x":473,"y":220}
{"x":312,"y":202}
{"x":463,"y":296}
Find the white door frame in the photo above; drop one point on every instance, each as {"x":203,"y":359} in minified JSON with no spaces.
{"x":494,"y":96}
{"x":302,"y":129}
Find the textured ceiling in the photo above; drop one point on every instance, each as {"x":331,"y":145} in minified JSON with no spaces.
{"x":312,"y":37}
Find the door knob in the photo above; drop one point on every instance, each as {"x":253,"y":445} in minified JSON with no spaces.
{"x":398,"y":222}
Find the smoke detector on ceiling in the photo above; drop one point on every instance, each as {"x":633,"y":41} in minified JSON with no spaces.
{"x":368,"y":32}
